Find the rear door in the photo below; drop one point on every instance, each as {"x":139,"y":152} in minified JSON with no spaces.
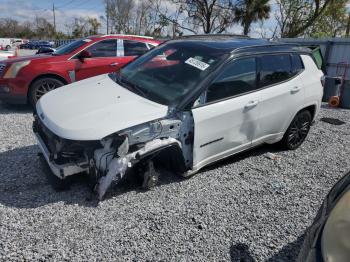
{"x":104,"y":59}
{"x":282,"y":94}
{"x":228,"y":121}
{"x":131,"y":50}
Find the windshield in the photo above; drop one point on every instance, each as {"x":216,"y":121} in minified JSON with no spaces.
{"x":168,"y":73}
{"x":68,"y":48}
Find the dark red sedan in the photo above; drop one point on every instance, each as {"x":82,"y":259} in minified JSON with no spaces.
{"x":26,"y":79}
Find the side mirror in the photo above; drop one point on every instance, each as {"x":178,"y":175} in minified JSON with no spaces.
{"x":84,"y":54}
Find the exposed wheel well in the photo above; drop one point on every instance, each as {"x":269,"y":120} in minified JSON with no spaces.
{"x":311,"y":109}
{"x":45,"y":76}
{"x":170,"y":158}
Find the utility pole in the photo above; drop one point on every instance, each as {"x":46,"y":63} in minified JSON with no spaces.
{"x":107,"y":15}
{"x":348,"y":27}
{"x":54,"y":18}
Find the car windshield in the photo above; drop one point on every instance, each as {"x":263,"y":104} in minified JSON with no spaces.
{"x":168,"y":73}
{"x":68,"y":48}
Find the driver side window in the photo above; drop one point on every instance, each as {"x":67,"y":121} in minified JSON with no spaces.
{"x":238,"y":77}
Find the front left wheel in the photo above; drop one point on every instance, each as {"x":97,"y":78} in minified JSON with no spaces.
{"x":297,"y":131}
{"x":42,"y":86}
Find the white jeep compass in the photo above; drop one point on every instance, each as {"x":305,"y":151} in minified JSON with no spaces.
{"x":183,"y":105}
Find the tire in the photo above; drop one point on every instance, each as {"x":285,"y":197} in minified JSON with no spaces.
{"x":297,"y":131}
{"x":8,"y":47}
{"x":42,"y":86}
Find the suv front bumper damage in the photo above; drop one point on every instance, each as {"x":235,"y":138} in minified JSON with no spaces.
{"x":61,"y":170}
{"x":106,"y":161}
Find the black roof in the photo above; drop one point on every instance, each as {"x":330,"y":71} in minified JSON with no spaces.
{"x":240,"y":44}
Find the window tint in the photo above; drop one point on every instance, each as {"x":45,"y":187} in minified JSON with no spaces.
{"x":238,"y":78}
{"x":298,"y":65}
{"x":274,"y":69}
{"x":106,"y":48}
{"x":133,"y":48}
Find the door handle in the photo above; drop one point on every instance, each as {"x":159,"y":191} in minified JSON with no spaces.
{"x":114,"y":64}
{"x":295,"y":89}
{"x":252,"y":104}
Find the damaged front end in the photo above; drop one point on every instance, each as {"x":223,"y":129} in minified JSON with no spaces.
{"x":166,"y":142}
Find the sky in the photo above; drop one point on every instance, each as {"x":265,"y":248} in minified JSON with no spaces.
{"x":27,"y":10}
{"x":65,"y":10}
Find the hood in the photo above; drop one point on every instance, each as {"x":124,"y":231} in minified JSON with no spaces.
{"x":40,"y":57}
{"x":95,"y":108}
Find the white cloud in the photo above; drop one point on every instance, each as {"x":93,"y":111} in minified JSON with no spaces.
{"x":23,"y":10}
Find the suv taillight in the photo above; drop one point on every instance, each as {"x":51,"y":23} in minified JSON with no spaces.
{"x":323,"y":80}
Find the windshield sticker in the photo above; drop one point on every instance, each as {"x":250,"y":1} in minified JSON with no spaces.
{"x":197,"y":64}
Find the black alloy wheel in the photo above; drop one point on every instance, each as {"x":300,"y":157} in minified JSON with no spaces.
{"x":297,"y":131}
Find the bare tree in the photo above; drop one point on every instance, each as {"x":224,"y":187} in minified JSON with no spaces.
{"x":43,"y":28}
{"x":295,"y":17}
{"x":120,"y":14}
{"x":208,"y":16}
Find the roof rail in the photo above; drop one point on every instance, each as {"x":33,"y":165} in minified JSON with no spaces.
{"x":213,"y":36}
{"x":140,"y":36}
{"x":280,"y":46}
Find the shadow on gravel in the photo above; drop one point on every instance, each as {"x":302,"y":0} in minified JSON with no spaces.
{"x":240,"y":253}
{"x":24,"y":183}
{"x":6,"y":109}
{"x":257,"y":151}
{"x":289,"y":252}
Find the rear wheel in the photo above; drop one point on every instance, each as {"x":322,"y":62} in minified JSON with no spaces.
{"x":42,"y":86}
{"x":297,"y":131}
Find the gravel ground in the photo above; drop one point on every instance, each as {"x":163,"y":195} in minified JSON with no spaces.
{"x":248,"y":207}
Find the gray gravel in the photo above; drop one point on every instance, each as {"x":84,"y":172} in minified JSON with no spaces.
{"x":247,"y":207}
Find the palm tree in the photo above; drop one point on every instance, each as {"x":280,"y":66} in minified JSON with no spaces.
{"x":250,"y":11}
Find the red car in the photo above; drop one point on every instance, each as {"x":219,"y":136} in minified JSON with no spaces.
{"x":26,"y":79}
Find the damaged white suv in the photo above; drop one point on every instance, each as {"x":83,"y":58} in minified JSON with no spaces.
{"x":183,"y":105}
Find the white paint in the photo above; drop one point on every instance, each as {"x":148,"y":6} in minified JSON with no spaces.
{"x":234,"y":125}
{"x":229,"y":123}
{"x":94,"y":108}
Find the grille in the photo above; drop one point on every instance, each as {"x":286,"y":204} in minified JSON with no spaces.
{"x":2,"y":67}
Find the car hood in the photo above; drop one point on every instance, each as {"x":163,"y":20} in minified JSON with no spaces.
{"x":41,"y":58}
{"x":95,"y":108}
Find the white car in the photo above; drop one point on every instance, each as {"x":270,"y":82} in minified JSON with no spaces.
{"x":183,"y":105}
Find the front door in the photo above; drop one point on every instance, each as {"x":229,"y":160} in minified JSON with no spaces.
{"x":228,"y":120}
{"x":104,"y":59}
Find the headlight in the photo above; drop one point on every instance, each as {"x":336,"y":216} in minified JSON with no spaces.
{"x":14,"y":69}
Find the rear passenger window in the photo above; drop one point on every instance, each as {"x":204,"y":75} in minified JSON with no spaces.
{"x":133,"y":48}
{"x":106,"y":48}
{"x":238,"y":78}
{"x":275,"y":69}
{"x":297,"y":64}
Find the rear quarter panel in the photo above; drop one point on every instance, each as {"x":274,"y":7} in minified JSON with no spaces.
{"x":311,"y":78}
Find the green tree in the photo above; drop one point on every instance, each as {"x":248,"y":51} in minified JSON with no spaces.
{"x":332,"y":22}
{"x":250,"y":11}
{"x":295,"y":17}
